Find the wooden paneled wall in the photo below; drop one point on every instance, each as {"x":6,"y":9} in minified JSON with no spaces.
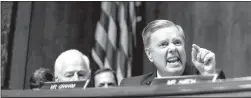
{"x":57,"y":27}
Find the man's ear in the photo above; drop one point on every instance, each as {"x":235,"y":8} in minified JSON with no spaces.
{"x":149,"y":54}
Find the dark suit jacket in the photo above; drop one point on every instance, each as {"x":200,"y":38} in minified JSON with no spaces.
{"x":146,"y":79}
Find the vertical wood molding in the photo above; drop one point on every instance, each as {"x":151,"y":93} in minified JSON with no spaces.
{"x":137,"y":68}
{"x":8,"y":10}
{"x":20,"y":45}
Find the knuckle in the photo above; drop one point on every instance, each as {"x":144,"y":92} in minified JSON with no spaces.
{"x":212,"y":54}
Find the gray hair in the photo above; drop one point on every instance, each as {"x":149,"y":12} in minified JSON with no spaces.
{"x":65,"y":55}
{"x":156,"y":25}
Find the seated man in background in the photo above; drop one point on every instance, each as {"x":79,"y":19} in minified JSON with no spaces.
{"x":105,"y":78}
{"x":72,"y":65}
{"x":40,"y":76}
{"x":164,"y":44}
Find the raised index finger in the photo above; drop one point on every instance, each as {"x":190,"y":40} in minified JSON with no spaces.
{"x":196,"y":47}
{"x":195,"y":51}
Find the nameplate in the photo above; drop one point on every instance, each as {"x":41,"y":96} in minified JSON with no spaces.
{"x":65,"y":85}
{"x":180,"y":80}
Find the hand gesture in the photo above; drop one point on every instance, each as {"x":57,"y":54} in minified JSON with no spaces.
{"x":203,"y":60}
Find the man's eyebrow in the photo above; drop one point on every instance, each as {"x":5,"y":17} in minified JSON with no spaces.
{"x":164,"y":40}
{"x":82,"y":72}
{"x":177,"y":38}
{"x":69,"y":72}
{"x":102,"y":83}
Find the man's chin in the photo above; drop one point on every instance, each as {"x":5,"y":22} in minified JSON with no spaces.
{"x":173,"y":65}
{"x":176,"y":71}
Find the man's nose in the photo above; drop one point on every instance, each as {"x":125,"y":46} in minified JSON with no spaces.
{"x":75,"y":77}
{"x":171,"y":48}
{"x":106,"y":86}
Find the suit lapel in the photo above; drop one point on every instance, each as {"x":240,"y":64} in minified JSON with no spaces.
{"x":149,"y":78}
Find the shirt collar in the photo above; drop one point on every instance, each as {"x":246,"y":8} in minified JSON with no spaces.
{"x":158,"y":75}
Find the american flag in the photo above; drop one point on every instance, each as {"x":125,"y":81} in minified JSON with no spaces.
{"x":115,"y":37}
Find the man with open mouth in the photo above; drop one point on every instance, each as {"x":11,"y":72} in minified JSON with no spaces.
{"x":164,"y":44}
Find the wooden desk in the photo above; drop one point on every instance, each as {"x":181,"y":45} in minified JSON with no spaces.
{"x":230,"y":88}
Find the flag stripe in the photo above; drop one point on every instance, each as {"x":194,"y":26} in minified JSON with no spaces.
{"x":111,"y":56}
{"x":97,"y":59}
{"x":101,"y":36}
{"x":99,"y":51}
{"x":104,"y":21}
{"x":123,"y":62}
{"x":114,"y":10}
{"x":112,"y":33}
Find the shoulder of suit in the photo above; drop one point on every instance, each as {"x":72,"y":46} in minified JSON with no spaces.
{"x":135,"y":80}
{"x":141,"y":76}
